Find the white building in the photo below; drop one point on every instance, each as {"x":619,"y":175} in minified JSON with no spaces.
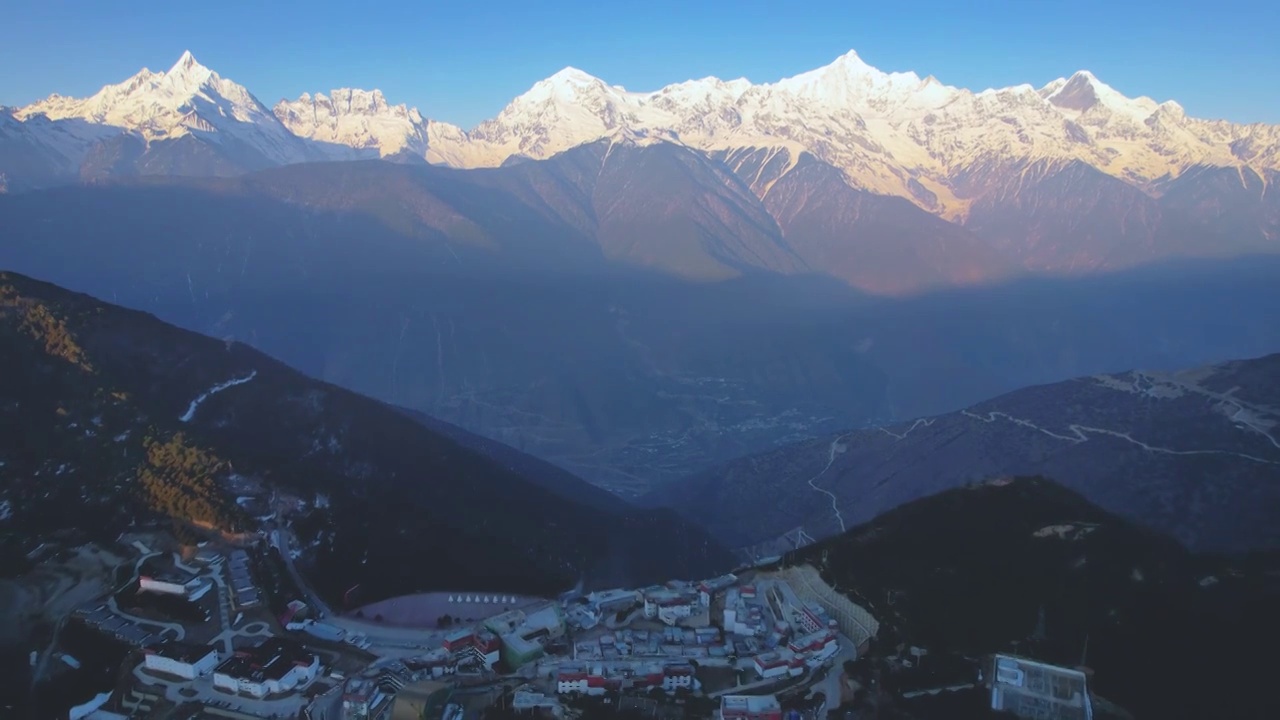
{"x":771,"y":665}
{"x":571,"y":680}
{"x":674,"y":610}
{"x":675,"y":677}
{"x":165,"y":584}
{"x":750,"y":707}
{"x":181,"y":660}
{"x":275,"y":666}
{"x":816,"y":647}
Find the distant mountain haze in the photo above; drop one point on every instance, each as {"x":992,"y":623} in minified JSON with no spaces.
{"x":487,"y":298}
{"x":641,"y":286}
{"x":1194,"y":454}
{"x":112,"y":419}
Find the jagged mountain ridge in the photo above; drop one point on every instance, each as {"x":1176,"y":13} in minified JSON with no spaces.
{"x":1069,"y":178}
{"x":112,"y":418}
{"x":890,"y":133}
{"x":187,"y":120}
{"x":365,"y":121}
{"x":1194,"y":454}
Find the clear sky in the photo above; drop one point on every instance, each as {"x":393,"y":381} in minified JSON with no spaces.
{"x":462,"y":61}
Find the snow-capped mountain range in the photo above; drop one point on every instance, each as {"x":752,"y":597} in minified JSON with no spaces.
{"x":891,"y":134}
{"x":188,"y":100}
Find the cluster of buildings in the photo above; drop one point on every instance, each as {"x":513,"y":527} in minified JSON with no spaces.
{"x":599,"y":679}
{"x":676,"y":602}
{"x":275,"y":666}
{"x":100,"y":618}
{"x":700,"y":642}
{"x":363,"y":697}
{"x":522,"y":636}
{"x":771,"y":611}
{"x":465,"y":648}
{"x":784,"y":634}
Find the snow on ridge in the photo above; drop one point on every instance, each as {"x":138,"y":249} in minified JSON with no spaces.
{"x":195,"y":404}
{"x":885,"y":130}
{"x":187,"y":99}
{"x":366,"y":121}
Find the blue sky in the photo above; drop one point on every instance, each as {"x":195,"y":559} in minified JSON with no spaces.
{"x":461,"y":62}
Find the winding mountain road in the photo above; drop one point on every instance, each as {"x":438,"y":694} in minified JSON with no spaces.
{"x":835,"y":448}
{"x":1080,"y":434}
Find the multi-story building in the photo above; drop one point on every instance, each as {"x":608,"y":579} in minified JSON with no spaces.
{"x":602,"y":678}
{"x":474,"y":647}
{"x":181,"y":659}
{"x":743,"y":613}
{"x":773,"y":664}
{"x":817,"y":646}
{"x":524,"y":636}
{"x":572,"y":679}
{"x":677,"y":676}
{"x":434,"y":664}
{"x":750,"y":707}
{"x":612,"y":601}
{"x":670,"y":604}
{"x":672,"y":611}
{"x":362,"y":699}
{"x":524,"y":700}
{"x":275,"y":666}
{"x":707,"y":589}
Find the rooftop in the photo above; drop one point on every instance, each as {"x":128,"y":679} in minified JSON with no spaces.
{"x":748,"y":704}
{"x":182,"y":652}
{"x":271,"y":660}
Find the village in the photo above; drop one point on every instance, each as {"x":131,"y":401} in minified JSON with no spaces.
{"x":231,"y":631}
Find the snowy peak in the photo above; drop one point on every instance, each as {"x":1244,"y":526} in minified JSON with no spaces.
{"x":349,"y":101}
{"x":849,"y":83}
{"x":566,"y":86}
{"x":188,"y":99}
{"x":891,"y":133}
{"x":1084,"y":92}
{"x":572,"y":76}
{"x":1079,"y":93}
{"x":188,"y":69}
{"x":360,"y":119}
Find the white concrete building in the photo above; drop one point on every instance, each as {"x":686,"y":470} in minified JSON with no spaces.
{"x":673,"y":611}
{"x":164,"y":584}
{"x":771,"y":665}
{"x":275,"y":666}
{"x":675,"y":677}
{"x":181,"y":660}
